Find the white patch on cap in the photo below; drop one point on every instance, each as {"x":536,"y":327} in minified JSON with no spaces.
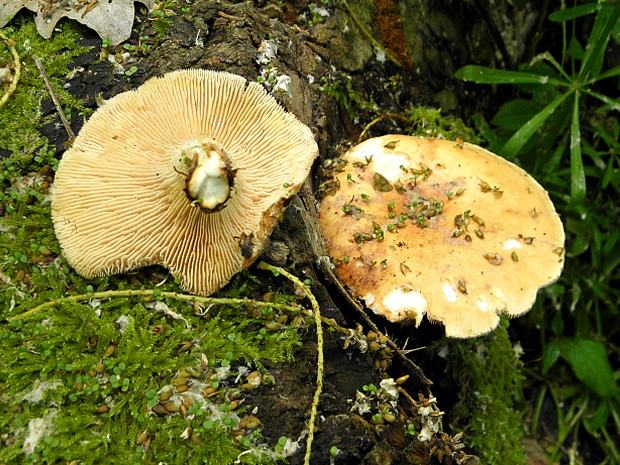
{"x":390,"y":164}
{"x":405,"y":297}
{"x":369,"y":299}
{"x":388,"y":161}
{"x":511,"y":243}
{"x":449,"y":292}
{"x":482,"y":305}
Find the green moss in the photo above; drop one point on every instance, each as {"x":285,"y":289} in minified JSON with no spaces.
{"x":429,"y":122}
{"x":103,"y":382}
{"x":20,"y":117}
{"x":352,"y":101}
{"x":67,"y":348}
{"x":488,"y":372}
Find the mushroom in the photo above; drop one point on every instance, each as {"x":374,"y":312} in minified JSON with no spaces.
{"x":443,"y":229}
{"x":190,"y":171}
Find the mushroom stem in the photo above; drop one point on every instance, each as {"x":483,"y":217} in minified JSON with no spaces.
{"x":211,"y":176}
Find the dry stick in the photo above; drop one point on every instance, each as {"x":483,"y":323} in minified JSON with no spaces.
{"x":367,"y":34}
{"x":380,"y":118}
{"x":61,"y":113}
{"x":155,"y":293}
{"x":18,"y":68}
{"x":319,"y":348}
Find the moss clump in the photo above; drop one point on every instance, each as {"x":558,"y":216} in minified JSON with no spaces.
{"x":20,"y":117}
{"x":352,"y":101}
{"x":429,"y":122}
{"x":487,"y":370}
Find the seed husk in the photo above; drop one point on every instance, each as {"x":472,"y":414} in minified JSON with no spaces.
{"x":109,"y":351}
{"x":381,"y":184}
{"x":249,"y":422}
{"x":160,"y":410}
{"x":172,"y":407}
{"x":493,"y":258}
{"x":182,"y":388}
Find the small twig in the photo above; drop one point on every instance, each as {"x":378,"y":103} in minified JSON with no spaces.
{"x":370,"y":37}
{"x":59,"y":109}
{"x":18,"y":69}
{"x":227,"y":16}
{"x":156,"y":293}
{"x":380,"y":118}
{"x":319,"y":348}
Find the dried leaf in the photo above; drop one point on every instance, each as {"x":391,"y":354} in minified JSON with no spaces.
{"x":111,"y":19}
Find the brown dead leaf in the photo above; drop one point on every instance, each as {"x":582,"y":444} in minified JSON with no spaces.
{"x":111,"y":19}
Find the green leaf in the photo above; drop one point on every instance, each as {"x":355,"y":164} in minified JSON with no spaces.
{"x":514,"y":114}
{"x":610,"y":103}
{"x":520,"y":138}
{"x":572,"y":13}
{"x":484,"y":75}
{"x":597,"y":43}
{"x":588,"y":359}
{"x":550,"y":355}
{"x":610,"y":73}
{"x":600,"y":417}
{"x":575,"y":49}
{"x":577,"y":173}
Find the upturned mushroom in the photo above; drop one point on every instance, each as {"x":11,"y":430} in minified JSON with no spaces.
{"x":190,"y":171}
{"x":427,"y":227}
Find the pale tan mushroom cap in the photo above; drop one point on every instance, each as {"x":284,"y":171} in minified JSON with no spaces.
{"x":119,"y":202}
{"x":449,"y":271}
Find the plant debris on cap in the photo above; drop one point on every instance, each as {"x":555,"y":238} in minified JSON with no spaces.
{"x":190,"y":171}
{"x":443,"y":229}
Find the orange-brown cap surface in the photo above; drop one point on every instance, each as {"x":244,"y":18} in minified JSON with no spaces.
{"x":443,"y":229}
{"x":190,"y":171}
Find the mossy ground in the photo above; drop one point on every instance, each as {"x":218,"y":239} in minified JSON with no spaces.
{"x":79,"y":381}
{"x":21,"y":116}
{"x":91,"y":373}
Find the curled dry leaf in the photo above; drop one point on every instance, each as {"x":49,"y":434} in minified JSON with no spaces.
{"x":111,"y":19}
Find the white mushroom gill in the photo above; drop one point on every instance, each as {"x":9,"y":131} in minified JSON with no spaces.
{"x":209,"y":182}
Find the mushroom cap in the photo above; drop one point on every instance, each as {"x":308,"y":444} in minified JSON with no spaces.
{"x":120,"y":198}
{"x":472,"y":235}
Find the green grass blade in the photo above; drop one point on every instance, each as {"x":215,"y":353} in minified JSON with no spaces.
{"x":546,"y":56}
{"x":484,"y":75}
{"x":520,"y":138}
{"x":597,"y":43}
{"x":609,"y":73}
{"x":577,"y":173}
{"x":568,"y":14}
{"x":614,"y":104}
